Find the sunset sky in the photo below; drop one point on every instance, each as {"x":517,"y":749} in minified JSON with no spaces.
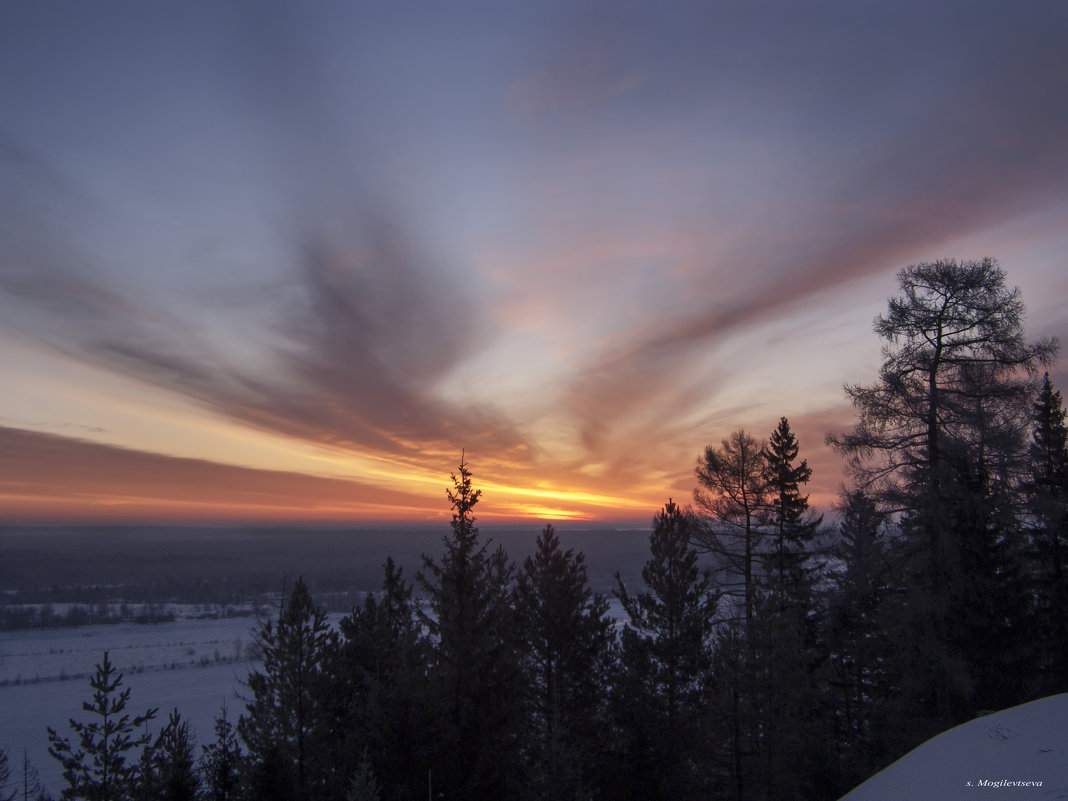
{"x":283,"y":261}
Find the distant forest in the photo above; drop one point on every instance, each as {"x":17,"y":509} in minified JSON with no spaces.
{"x":766,"y":654}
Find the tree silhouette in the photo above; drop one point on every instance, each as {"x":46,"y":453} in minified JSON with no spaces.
{"x":1048,"y":488}
{"x":566,"y":639}
{"x":97,"y":768}
{"x":475,"y":662}
{"x":286,"y":725}
{"x":220,"y":762}
{"x":666,"y":658}
{"x":733,"y":496}
{"x":939,"y":441}
{"x":791,"y":532}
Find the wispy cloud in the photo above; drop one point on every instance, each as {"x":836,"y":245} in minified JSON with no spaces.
{"x":326,"y":225}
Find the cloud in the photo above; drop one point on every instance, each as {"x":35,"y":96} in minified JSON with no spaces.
{"x":351,"y":361}
{"x":44,"y":476}
{"x":351,"y":341}
{"x":939,"y":149}
{"x":669,"y":179}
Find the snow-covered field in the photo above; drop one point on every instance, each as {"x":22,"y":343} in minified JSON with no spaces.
{"x":194,"y":665}
{"x":1017,"y":753}
{"x":59,"y":653}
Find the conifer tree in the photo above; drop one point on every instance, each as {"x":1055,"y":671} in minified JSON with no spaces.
{"x":8,"y":791}
{"x":475,"y":666}
{"x":666,"y":657}
{"x":732,"y":496}
{"x":364,"y":786}
{"x":220,"y":762}
{"x":860,"y":664}
{"x":939,"y":440}
{"x":168,"y":770}
{"x":96,"y":768}
{"x":29,"y":786}
{"x":791,"y":532}
{"x":382,"y":686}
{"x":1048,"y":496}
{"x":782,"y":649}
{"x":566,"y":639}
{"x":287,"y":727}
{"x":732,"y":710}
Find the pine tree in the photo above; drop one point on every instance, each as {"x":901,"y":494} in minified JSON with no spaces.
{"x":566,"y":644}
{"x":220,"y":762}
{"x":96,"y":768}
{"x":287,"y":727}
{"x":666,"y":657}
{"x":475,"y":666}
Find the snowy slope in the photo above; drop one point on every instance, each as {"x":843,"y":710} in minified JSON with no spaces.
{"x":1027,"y":743}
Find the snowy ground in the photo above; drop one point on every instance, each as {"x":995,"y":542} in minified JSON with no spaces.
{"x":194,"y":665}
{"x":1017,"y":753}
{"x":48,"y":654}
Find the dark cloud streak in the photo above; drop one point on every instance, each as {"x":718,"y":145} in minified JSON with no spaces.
{"x":45,"y":474}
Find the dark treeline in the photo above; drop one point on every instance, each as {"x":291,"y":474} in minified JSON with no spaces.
{"x":765,"y":654}
{"x":233,"y":570}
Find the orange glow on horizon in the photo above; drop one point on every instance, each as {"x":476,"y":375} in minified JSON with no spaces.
{"x":51,"y":478}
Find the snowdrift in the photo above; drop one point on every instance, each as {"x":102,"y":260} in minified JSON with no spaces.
{"x":1017,"y":753}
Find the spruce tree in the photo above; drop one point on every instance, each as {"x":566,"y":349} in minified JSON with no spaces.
{"x":792,"y":533}
{"x":660,"y":694}
{"x":220,"y":762}
{"x":475,"y":668}
{"x":168,"y":769}
{"x":860,"y":668}
{"x":382,"y":687}
{"x":363,"y":785}
{"x":96,"y":768}
{"x":566,"y":639}
{"x":769,"y":715}
{"x":287,"y":726}
{"x":1048,"y":498}
{"x":783,"y":650}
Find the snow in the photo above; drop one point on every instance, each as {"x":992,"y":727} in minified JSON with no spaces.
{"x":194,"y":665}
{"x":30,"y":655}
{"x":993,"y":756}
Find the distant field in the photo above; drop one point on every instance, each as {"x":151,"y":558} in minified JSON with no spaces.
{"x":223,"y":565}
{"x":197,"y":665}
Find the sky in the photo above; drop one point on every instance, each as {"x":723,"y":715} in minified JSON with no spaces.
{"x":288,"y":261}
